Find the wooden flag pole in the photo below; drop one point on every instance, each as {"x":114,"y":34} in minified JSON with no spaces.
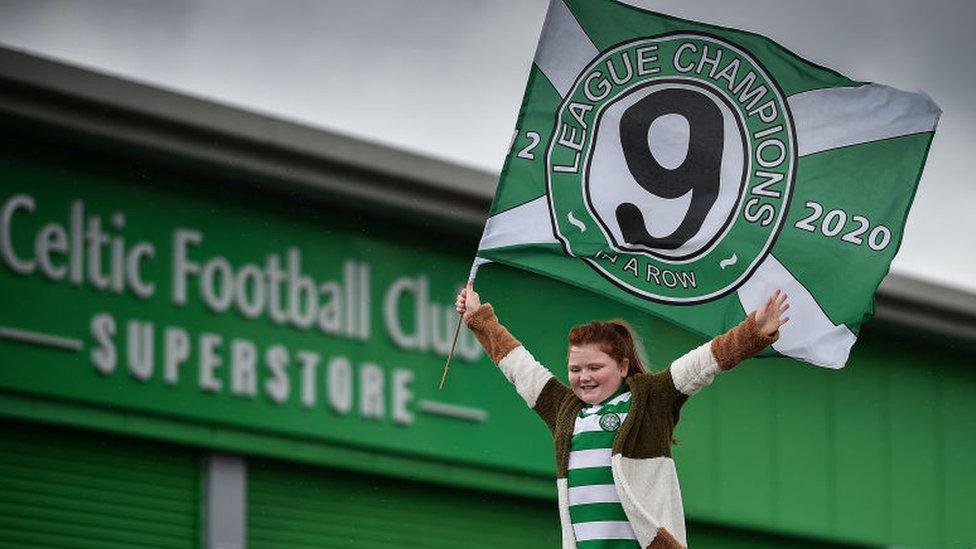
{"x":457,"y":328}
{"x":450,"y":354}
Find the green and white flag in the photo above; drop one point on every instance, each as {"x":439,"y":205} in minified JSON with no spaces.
{"x":689,"y":170}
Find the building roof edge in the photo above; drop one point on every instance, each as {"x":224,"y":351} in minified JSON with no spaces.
{"x":435,"y":186}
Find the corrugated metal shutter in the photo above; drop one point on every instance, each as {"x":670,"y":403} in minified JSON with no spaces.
{"x":71,"y":488}
{"x":293,"y":506}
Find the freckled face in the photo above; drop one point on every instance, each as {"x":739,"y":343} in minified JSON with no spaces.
{"x":593,"y":374}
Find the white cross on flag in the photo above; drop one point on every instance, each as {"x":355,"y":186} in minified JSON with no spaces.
{"x":689,"y":170}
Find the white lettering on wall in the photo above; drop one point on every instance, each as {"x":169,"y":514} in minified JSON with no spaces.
{"x":139,"y":349}
{"x":182,"y":266}
{"x":51,"y":239}
{"x":309,"y":363}
{"x":103,"y":356}
{"x":177,"y":351}
{"x":414,"y":289}
{"x":432,"y":323}
{"x":340,"y":384}
{"x":243,"y":368}
{"x":14,"y":203}
{"x":371,"y":391}
{"x":209,"y":362}
{"x":277,"y":386}
{"x":59,"y":253}
{"x":401,"y":396}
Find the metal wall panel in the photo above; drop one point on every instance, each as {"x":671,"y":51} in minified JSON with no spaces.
{"x":67,"y":488}
{"x":958,"y":443}
{"x":298,"y":507}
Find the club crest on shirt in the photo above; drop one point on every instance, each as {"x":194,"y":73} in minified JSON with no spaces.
{"x":610,"y":421}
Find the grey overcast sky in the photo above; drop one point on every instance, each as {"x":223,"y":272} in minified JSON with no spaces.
{"x":445,"y":77}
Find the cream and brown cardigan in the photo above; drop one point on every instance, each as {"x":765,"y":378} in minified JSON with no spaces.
{"x":643,"y":470}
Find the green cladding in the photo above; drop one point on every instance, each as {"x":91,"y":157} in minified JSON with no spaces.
{"x":66,"y":488}
{"x":878,"y":453}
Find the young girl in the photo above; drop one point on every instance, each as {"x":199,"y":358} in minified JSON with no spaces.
{"x":613,"y":425}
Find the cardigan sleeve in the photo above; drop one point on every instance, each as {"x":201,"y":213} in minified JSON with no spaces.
{"x":698,"y":367}
{"x":534,"y":382}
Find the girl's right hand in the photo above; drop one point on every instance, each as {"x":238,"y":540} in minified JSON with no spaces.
{"x":467,"y":300}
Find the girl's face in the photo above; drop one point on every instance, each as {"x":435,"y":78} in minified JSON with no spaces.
{"x":593,"y":374}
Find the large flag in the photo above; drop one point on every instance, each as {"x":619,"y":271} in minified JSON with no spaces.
{"x":689,"y":170}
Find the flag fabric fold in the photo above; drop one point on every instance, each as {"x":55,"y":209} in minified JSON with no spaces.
{"x":689,"y":170}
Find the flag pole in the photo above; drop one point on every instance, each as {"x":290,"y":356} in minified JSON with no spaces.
{"x":457,"y":328}
{"x":450,"y":354}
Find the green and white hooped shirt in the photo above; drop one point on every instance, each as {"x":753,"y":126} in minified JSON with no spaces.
{"x":594,"y":506}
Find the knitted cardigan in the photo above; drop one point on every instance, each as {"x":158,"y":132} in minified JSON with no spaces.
{"x":643,"y":471}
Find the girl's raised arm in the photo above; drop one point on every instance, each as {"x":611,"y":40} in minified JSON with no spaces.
{"x":535,"y":384}
{"x":497,"y":341}
{"x":760,"y":329}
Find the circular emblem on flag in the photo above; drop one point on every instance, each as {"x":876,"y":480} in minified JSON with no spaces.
{"x":671,"y":167}
{"x":610,"y":421}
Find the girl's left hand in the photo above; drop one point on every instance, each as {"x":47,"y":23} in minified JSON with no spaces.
{"x":770,"y":317}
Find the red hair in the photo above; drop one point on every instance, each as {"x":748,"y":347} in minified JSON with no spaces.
{"x":615,"y":337}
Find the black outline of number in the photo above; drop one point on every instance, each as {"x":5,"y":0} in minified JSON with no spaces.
{"x":526,"y":151}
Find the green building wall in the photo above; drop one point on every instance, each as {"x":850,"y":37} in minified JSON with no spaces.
{"x":879,"y":453}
